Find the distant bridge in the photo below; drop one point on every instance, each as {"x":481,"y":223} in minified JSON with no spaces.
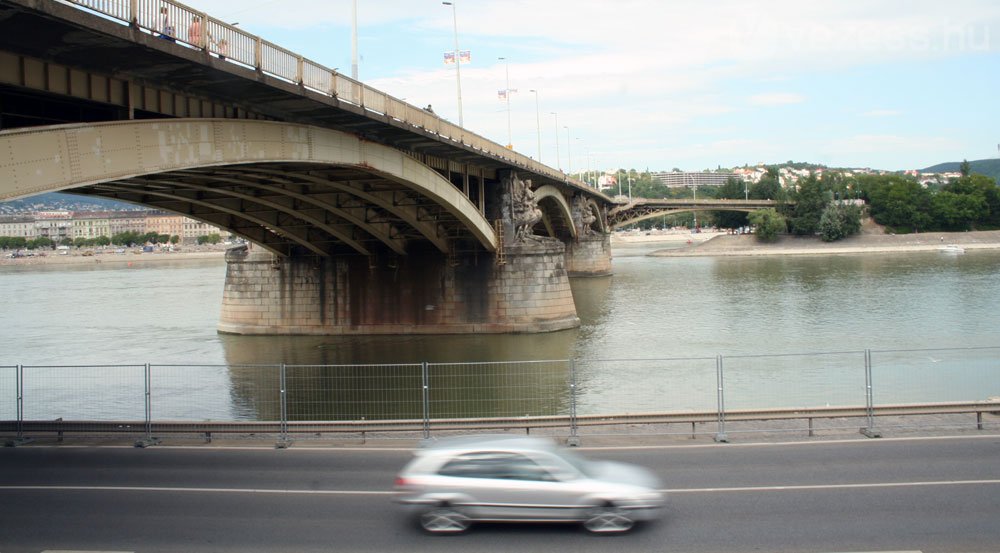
{"x":640,"y":209}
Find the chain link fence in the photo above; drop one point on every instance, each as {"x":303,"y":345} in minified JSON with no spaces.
{"x":707,"y":395}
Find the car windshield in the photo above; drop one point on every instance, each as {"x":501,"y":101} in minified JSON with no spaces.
{"x":578,"y":462}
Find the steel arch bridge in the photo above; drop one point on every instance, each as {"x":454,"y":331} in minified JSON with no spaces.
{"x":639,"y":210}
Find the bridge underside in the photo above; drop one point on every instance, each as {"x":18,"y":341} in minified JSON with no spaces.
{"x":292,"y":189}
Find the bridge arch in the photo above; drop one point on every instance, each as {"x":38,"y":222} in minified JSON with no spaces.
{"x":624,"y":222}
{"x":557,"y":215}
{"x":290,"y":188}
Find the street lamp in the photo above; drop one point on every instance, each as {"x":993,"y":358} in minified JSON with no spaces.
{"x":538,"y":126}
{"x":569,"y":153}
{"x":458,"y":62}
{"x":354,"y":40}
{"x":558,"y":157}
{"x":506,"y":97}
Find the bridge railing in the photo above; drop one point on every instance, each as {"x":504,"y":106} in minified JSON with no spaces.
{"x":176,"y":21}
{"x":716,"y":395}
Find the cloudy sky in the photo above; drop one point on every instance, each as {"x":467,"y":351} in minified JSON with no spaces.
{"x":692,"y":84}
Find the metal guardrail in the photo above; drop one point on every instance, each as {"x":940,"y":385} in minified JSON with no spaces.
{"x":183,"y":24}
{"x":434,"y":397}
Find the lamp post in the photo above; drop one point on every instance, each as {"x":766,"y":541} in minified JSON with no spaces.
{"x":558,"y":157}
{"x":458,"y":62}
{"x":506,"y":97}
{"x":538,"y":127}
{"x":569,"y":153}
{"x":354,"y":40}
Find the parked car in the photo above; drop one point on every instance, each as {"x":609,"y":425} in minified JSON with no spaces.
{"x":457,"y":481}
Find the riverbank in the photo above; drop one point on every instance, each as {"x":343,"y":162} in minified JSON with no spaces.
{"x":128,"y":258}
{"x":748,"y":245}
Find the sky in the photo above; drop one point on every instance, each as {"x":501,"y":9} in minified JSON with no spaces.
{"x":663,"y":84}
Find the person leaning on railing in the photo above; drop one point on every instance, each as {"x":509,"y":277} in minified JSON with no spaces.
{"x":166,"y":28}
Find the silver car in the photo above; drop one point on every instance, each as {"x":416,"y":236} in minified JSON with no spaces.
{"x":457,"y":481}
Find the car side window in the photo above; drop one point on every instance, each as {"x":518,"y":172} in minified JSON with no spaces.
{"x":495,"y":465}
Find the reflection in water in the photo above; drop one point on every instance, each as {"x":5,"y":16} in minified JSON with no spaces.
{"x":677,"y":314}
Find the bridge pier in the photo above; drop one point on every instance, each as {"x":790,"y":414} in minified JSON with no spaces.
{"x":430,"y":293}
{"x":589,"y":255}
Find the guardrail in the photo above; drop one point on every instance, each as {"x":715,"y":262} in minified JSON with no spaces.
{"x":582,"y":396}
{"x":185,"y":25}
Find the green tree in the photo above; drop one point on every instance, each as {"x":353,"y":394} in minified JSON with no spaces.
{"x":769,"y":223}
{"x":810,"y":201}
{"x":965,"y":168}
{"x":839,"y":221}
{"x":175,"y":239}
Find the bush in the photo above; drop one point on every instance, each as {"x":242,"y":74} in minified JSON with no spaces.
{"x":769,"y":224}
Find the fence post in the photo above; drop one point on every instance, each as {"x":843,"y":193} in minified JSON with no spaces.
{"x":869,"y":430}
{"x":133,"y":13}
{"x":19,"y":383}
{"x":283,"y":440}
{"x":426,"y":400}
{"x":721,"y":399}
{"x":148,"y":439}
{"x":574,"y":438}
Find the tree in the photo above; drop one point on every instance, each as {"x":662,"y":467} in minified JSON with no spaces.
{"x":175,"y":239}
{"x":839,"y":221}
{"x":769,"y":223}
{"x":810,"y":201}
{"x":965,"y":168}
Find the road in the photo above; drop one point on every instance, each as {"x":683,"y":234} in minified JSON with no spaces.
{"x":927,"y":494}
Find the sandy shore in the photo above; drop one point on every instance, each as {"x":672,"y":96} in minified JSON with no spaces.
{"x":748,"y":245}
{"x":128,"y":258}
{"x":698,"y":244}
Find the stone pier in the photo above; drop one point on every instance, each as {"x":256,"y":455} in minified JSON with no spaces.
{"x":429,"y":293}
{"x":590,"y":255}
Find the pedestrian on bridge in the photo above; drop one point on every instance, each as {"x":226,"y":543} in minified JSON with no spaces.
{"x":166,"y":28}
{"x":194,"y":31}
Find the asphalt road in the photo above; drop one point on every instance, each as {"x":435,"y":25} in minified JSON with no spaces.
{"x":930,"y":495}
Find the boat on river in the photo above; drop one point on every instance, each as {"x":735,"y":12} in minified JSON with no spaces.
{"x":951,"y":248}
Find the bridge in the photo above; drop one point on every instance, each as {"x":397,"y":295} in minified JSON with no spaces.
{"x":366,"y":214}
{"x":634,"y":211}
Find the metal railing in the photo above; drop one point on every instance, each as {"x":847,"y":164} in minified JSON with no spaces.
{"x":418,"y":399}
{"x":187,"y":26}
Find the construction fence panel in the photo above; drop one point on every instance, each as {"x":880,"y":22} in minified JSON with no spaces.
{"x":902,"y":377}
{"x":501,"y":389}
{"x":84,"y":392}
{"x":215,"y":393}
{"x":642,"y":386}
{"x":819,"y":379}
{"x":354,"y":392}
{"x":8,"y":393}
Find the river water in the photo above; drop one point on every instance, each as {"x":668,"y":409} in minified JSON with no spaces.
{"x":652,"y":330}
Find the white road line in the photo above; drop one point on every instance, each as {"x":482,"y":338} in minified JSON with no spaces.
{"x":816,"y":487}
{"x":833,"y":486}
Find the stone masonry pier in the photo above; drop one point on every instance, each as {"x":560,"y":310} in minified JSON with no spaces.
{"x":426,"y":294}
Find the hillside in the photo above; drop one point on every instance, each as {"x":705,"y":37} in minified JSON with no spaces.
{"x":988,"y":167}
{"x":60,"y":201}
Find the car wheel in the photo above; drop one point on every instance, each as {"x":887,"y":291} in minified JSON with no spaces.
{"x":608,"y":519}
{"x":444,"y":520}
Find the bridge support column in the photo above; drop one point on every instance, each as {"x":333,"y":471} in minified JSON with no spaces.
{"x":425,"y":293}
{"x":590,"y":255}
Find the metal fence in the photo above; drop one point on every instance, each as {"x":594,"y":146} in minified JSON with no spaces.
{"x":580,"y":398}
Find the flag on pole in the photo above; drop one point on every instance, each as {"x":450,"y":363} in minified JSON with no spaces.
{"x":465,"y":56}
{"x":502,"y":94}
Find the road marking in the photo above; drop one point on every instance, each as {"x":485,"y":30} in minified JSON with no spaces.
{"x":189,"y":490}
{"x":832,"y":486}
{"x":818,"y":487}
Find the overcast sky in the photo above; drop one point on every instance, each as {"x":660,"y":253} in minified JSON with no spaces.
{"x":675,"y":83}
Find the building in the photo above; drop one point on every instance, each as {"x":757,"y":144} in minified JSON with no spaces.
{"x":679,"y":179}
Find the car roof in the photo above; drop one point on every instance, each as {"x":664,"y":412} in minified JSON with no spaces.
{"x":489,"y":441}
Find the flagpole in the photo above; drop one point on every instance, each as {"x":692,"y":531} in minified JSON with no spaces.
{"x":458,"y":62}
{"x":506,"y":95}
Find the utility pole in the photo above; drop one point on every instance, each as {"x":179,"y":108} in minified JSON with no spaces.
{"x":354,"y":40}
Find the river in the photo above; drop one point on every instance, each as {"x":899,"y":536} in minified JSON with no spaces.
{"x":652,"y":308}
